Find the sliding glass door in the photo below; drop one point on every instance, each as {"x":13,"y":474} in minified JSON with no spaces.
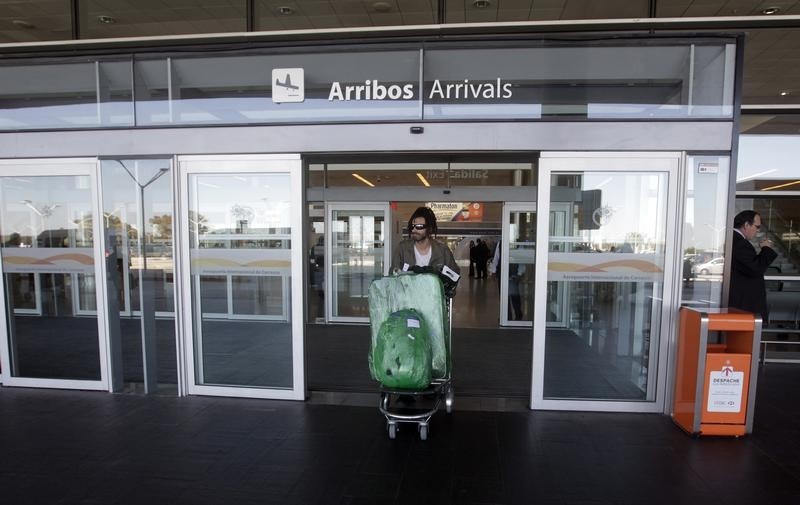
{"x":614,"y":268}
{"x":242,"y":275}
{"x":53,"y":331}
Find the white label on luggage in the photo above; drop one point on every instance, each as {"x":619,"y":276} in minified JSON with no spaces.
{"x":411,"y":336}
{"x":450,"y":273}
{"x":405,"y":267}
{"x":412,"y":323}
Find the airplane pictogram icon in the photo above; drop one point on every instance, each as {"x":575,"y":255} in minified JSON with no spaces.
{"x":287,"y":83}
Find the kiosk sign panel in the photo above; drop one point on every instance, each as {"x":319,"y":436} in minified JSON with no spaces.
{"x":725,"y":389}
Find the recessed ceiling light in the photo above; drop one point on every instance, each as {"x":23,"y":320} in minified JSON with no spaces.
{"x":785,"y":93}
{"x":481,"y":4}
{"x":771,"y":10}
{"x":382,"y":6}
{"x":21,"y":23}
{"x":106,"y":20}
{"x":286,"y":10}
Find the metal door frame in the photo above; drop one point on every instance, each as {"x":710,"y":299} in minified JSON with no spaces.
{"x":330,"y":288}
{"x":670,"y":163}
{"x":277,"y":163}
{"x":63,"y":167}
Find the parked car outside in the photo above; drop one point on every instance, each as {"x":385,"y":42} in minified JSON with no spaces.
{"x":712,"y":267}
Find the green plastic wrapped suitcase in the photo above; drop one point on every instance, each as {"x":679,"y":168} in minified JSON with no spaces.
{"x":402,"y":354}
{"x":425,"y":294}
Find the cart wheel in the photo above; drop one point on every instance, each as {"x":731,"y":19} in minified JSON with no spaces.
{"x":449,"y":397}
{"x":392,"y":431}
{"x":423,"y":432}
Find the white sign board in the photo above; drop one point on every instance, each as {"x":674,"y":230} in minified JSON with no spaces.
{"x":725,"y":390}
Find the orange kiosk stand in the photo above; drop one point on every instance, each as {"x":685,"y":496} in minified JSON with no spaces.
{"x":715,"y":384}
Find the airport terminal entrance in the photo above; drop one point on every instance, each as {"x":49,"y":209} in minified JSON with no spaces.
{"x":584,"y":313}
{"x":363,"y":215}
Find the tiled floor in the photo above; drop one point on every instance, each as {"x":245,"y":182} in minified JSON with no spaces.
{"x":66,"y":447}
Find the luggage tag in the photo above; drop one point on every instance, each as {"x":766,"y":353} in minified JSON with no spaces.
{"x":405,"y":267}
{"x":450,"y":273}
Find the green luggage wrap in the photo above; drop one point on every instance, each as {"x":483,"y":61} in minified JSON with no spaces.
{"x":402,"y":354}
{"x":425,"y":294}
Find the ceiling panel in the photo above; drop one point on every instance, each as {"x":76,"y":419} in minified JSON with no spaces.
{"x":123,"y":18}
{"x":34,"y":20}
{"x":772,"y":66}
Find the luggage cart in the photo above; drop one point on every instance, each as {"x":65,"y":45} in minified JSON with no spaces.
{"x":440,"y":391}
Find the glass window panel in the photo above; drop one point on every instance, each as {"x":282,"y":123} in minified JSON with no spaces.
{"x":780,"y":220}
{"x":240,"y":247}
{"x":47,"y":251}
{"x":610,"y":267}
{"x":66,"y":95}
{"x":590,"y":82}
{"x":137,"y":195}
{"x":316,"y":262}
{"x":491,"y":174}
{"x":119,"y":18}
{"x":214,"y":294}
{"x":237,"y":88}
{"x":257,"y":295}
{"x":387,"y":174}
{"x":357,"y":258}
{"x":768,"y":163}
{"x":521,"y":265}
{"x":151,"y":78}
{"x":704,"y":229}
{"x":315,"y":175}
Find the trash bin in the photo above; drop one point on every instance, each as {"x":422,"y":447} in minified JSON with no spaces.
{"x":715,"y":383}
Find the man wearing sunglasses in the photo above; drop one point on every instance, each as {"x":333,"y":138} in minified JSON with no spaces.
{"x":421,"y":252}
{"x":748,"y":291}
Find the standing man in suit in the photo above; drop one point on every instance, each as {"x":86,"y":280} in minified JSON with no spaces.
{"x":748,"y":291}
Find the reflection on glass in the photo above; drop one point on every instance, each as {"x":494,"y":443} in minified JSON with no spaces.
{"x":48,"y":262}
{"x":704,"y":231}
{"x":137,"y":216}
{"x":521,"y":258}
{"x":357,"y":259}
{"x":610,"y":268}
{"x":316,"y":262}
{"x":240,"y":252}
{"x":85,"y":94}
{"x":600,"y":81}
{"x":491,"y":174}
{"x":779,"y":218}
{"x":379,"y":175}
{"x":236,"y":88}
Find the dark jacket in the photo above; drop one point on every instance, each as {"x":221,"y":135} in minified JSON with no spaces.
{"x":748,"y":291}
{"x":440,"y":255}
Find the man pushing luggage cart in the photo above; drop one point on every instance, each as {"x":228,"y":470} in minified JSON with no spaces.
{"x":411,"y":323}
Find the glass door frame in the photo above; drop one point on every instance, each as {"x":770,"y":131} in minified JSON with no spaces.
{"x":56,"y":167}
{"x":670,"y":163}
{"x":268,"y":164}
{"x":330,"y":208}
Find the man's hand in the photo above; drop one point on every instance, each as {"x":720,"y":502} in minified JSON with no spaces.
{"x":765,"y":243}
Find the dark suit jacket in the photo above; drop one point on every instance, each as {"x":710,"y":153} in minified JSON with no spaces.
{"x":747,"y":291}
